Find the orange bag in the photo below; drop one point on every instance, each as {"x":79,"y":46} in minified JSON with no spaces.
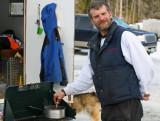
{"x":14,"y":45}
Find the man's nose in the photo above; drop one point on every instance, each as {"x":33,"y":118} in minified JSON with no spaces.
{"x":101,"y":17}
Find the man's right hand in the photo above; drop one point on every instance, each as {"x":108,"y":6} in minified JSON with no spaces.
{"x":145,"y":97}
{"x":57,"y":97}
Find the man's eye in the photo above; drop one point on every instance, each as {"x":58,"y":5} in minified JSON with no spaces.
{"x":96,"y":17}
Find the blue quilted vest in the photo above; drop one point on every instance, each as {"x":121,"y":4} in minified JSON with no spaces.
{"x":114,"y":78}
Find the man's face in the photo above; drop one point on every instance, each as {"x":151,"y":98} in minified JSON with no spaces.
{"x":101,"y":18}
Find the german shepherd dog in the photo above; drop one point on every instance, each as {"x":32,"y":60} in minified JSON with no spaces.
{"x":89,"y":103}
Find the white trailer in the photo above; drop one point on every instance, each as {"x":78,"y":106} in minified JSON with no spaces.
{"x":25,"y":27}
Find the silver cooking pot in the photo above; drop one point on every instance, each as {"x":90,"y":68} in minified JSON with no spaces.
{"x":52,"y":112}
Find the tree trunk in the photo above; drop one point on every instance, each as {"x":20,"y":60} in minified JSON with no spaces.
{"x":139,"y":11}
{"x":120,"y":15}
{"x":126,"y":18}
{"x":134,"y":9}
{"x":131,"y":11}
{"x":116,"y":10}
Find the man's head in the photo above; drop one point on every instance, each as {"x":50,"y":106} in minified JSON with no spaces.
{"x":100,"y":15}
{"x":97,"y":5}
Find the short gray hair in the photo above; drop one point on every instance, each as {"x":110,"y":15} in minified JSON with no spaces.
{"x":96,"y":5}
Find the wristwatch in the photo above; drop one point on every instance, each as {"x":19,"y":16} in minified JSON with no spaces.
{"x":63,"y":91}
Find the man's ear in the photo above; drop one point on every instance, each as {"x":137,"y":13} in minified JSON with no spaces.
{"x":110,"y":14}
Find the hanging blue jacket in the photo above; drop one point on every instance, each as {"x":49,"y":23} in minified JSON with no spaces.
{"x":52,"y":60}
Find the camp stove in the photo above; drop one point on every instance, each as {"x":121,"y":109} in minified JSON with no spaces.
{"x":19,"y":98}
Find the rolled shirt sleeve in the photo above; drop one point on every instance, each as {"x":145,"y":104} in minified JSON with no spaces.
{"x":83,"y":82}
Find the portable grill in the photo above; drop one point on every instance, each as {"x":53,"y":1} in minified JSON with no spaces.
{"x":19,"y":98}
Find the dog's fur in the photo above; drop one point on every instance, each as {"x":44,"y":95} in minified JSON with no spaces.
{"x":89,"y":103}
{"x":1,"y":95}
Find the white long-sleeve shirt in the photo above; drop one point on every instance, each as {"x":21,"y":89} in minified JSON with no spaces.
{"x":134,"y":53}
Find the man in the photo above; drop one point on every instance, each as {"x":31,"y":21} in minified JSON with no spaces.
{"x":118,"y":66}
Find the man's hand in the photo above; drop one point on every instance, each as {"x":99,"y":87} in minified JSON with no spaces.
{"x":145,"y":97}
{"x":57,"y":97}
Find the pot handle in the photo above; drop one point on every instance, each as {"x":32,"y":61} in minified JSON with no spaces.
{"x":35,"y":108}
